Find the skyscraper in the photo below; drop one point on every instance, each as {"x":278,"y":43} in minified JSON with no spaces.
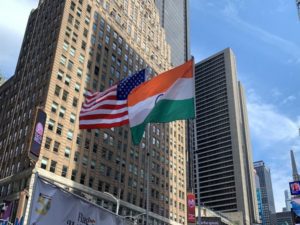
{"x":296,"y":176}
{"x":283,"y":218}
{"x":298,"y":7}
{"x":258,"y":196}
{"x":265,"y":181}
{"x":174,"y":18}
{"x":2,"y":79}
{"x":69,"y":47}
{"x":287,"y":199}
{"x":223,"y":155}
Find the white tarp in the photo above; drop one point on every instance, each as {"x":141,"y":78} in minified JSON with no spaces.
{"x":52,"y":205}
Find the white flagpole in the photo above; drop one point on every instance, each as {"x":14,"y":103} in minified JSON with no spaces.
{"x":33,"y":180}
{"x":148,"y":173}
{"x":195,"y":153}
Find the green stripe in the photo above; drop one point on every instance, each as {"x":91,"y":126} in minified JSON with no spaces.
{"x":163,"y":112}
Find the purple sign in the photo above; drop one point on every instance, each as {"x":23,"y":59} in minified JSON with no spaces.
{"x":7,"y":210}
{"x":37,"y":136}
{"x":295,"y":188}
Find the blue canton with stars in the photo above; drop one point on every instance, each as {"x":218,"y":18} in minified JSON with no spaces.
{"x":127,"y":84}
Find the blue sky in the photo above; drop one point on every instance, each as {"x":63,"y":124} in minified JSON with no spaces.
{"x":265,"y":37}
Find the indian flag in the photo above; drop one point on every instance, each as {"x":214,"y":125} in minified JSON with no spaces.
{"x":165,"y":98}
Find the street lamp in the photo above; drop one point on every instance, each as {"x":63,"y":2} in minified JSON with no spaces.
{"x":116,"y":199}
{"x":135,"y":218}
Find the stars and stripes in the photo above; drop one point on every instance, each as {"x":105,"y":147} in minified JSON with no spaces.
{"x":109,"y":108}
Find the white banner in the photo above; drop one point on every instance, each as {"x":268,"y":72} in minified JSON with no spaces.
{"x":52,"y":205}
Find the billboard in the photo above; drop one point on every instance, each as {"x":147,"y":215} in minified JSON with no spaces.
{"x":295,"y":210}
{"x":37,"y":135}
{"x":191,"y":208}
{"x":6,"y":210}
{"x":211,"y":221}
{"x":53,"y":205}
{"x":295,"y":188}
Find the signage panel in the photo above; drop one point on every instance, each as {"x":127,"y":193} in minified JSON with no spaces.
{"x":295,"y":188}
{"x":52,"y":205}
{"x":210,"y":221}
{"x":191,"y":204}
{"x":37,"y":135}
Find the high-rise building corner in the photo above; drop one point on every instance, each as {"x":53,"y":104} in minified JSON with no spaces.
{"x":223,"y":166}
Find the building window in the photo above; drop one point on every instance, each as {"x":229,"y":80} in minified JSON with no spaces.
{"x":51,"y":124}
{"x":84,"y":160}
{"x":91,"y":181}
{"x":85,"y":33}
{"x":74,"y":38}
{"x":64,"y":171}
{"x":54,"y":107}
{"x":100,"y":185}
{"x":93,"y":164}
{"x":65,"y":95}
{"x":81,"y":58}
{"x":74,"y":174}
{"x":56,"y":146}
{"x":70,"y":65}
{"x":53,"y":166}
{"x":107,"y":39}
{"x":72,"y":7}
{"x":59,"y":129}
{"x":65,"y":45}
{"x":95,"y":147}
{"x":57,"y":90}
{"x":77,"y":24}
{"x":70,"y":135}
{"x":79,"y":12}
{"x":48,"y":143}
{"x":72,"y":51}
{"x":79,"y":72}
{"x":44,"y":163}
{"x":75,"y":102}
{"x":76,"y":156}
{"x":67,"y":152}
{"x":68,"y":31}
{"x":72,"y":118}
{"x":102,"y":169}
{"x":83,"y":45}
{"x":77,"y":87}
{"x":60,"y":75}
{"x":62,"y":111}
{"x":82,"y":178}
{"x":63,"y":60}
{"x":67,"y":80}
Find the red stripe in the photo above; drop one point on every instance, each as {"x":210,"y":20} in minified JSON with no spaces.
{"x":101,"y":125}
{"x":106,"y":107}
{"x":97,"y":101}
{"x":100,"y":94}
{"x":103,"y":116}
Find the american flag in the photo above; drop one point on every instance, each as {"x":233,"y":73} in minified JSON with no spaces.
{"x":109,"y":108}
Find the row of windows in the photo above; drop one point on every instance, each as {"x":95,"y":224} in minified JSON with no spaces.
{"x":105,"y":171}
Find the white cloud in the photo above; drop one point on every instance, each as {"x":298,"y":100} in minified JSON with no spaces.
{"x":231,"y":11}
{"x":290,"y":98}
{"x":13,"y":20}
{"x":14,"y":14}
{"x":274,"y":135}
{"x":269,"y":126}
{"x":275,"y":92}
{"x":280,"y":183}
